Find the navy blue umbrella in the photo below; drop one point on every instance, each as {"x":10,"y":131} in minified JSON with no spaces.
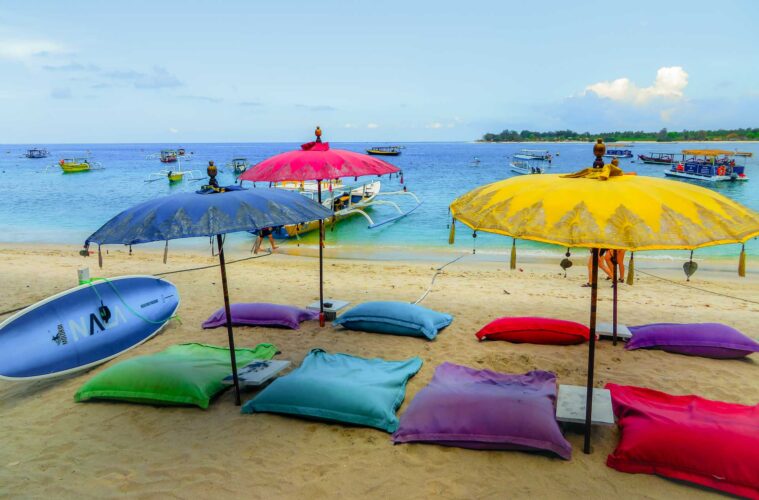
{"x":188,"y":215}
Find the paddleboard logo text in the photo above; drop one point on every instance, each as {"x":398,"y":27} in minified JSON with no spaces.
{"x":88,"y":326}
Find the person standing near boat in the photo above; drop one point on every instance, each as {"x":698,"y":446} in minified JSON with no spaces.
{"x":261,"y":234}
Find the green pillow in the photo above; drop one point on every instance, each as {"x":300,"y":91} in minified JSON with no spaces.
{"x":184,"y":374}
{"x":340,"y":388}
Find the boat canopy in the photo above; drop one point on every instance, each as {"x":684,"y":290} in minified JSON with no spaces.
{"x":708,"y":152}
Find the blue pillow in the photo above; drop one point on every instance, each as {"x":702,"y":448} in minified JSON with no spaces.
{"x":342,"y":388}
{"x":396,"y":318}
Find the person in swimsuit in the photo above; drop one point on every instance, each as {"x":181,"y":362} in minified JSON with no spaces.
{"x":620,"y":255}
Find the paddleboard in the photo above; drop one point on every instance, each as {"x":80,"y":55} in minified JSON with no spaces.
{"x":84,"y":326}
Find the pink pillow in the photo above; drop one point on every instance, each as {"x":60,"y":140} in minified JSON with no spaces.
{"x":533,"y":330}
{"x":688,"y":438}
{"x":261,"y":314}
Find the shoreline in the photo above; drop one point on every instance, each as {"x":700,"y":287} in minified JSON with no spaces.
{"x":408,"y":254}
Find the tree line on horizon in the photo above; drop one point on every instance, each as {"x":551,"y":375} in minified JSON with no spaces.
{"x":663,"y":135}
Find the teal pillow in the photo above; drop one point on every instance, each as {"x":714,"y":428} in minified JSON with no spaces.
{"x":341,"y":388}
{"x":396,"y":318}
{"x":184,"y":374}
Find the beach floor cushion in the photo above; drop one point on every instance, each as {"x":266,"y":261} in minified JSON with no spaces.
{"x":261,"y":314}
{"x":396,"y":318}
{"x":533,"y":330}
{"x":688,"y":438}
{"x":482,"y":409}
{"x":184,"y":374}
{"x":341,"y":388}
{"x":709,"y":340}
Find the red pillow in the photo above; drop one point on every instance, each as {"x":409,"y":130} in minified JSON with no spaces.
{"x":689,"y":438}
{"x":535,"y":331}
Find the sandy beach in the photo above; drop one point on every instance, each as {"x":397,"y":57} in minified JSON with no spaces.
{"x":54,"y":447}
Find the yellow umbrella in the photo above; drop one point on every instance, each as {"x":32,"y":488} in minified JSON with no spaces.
{"x":603,"y":208}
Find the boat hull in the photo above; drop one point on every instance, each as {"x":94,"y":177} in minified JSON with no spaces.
{"x":705,"y":178}
{"x":75,"y":168}
{"x":175,"y":177}
{"x":382,"y":153}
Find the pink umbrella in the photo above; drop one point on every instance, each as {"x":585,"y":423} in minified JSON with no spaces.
{"x":317,"y":162}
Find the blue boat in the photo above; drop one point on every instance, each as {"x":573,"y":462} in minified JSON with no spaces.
{"x":84,"y":326}
{"x":619,"y":153}
{"x":711,"y":165}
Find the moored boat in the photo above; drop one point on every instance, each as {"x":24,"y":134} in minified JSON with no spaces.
{"x":712,"y":165}
{"x":239,"y":165}
{"x":660,"y":158}
{"x":385,"y":150}
{"x":74,"y":165}
{"x":346,"y":201}
{"x":35,"y":154}
{"x":533,"y":154}
{"x":526,"y":167}
{"x":619,"y":153}
{"x":168,"y":156}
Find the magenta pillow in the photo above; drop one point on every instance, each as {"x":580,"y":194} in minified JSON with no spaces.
{"x":261,"y":314}
{"x":709,"y":340}
{"x":482,"y":409}
{"x":535,"y":330}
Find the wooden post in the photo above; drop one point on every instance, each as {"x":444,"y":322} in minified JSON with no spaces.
{"x":615,"y":265}
{"x":321,"y":254}
{"x":591,"y":350}
{"x":230,"y":335}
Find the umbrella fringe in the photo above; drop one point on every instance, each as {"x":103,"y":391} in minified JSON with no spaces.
{"x":631,"y":269}
{"x":100,"y":258}
{"x":452,"y":233}
{"x":742,"y":262}
{"x":513,"y":263}
{"x":474,"y":242}
{"x":166,"y":252}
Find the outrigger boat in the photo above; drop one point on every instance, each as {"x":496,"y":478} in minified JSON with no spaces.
{"x":346,"y":201}
{"x":661,"y":158}
{"x":76,"y":165}
{"x":385,"y":150}
{"x":36,"y":154}
{"x":533,"y":154}
{"x":713,"y":165}
{"x":619,"y":153}
{"x":526,"y":167}
{"x":175,"y":175}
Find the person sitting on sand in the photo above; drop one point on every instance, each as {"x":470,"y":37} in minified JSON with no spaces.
{"x":602,"y":264}
{"x":263,"y":233}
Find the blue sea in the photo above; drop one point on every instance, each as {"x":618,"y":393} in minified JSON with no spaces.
{"x":40,"y":204}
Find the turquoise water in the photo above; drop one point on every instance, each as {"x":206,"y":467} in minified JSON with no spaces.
{"x":51,"y":207}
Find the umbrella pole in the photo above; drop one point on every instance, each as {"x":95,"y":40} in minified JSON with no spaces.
{"x":591,"y":350}
{"x":321,"y":258}
{"x":231,"y":336}
{"x":615,"y":265}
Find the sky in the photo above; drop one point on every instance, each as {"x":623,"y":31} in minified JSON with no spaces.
{"x":237,"y":71}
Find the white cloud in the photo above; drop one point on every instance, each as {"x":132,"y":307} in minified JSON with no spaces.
{"x":434,"y":125}
{"x":349,"y":125}
{"x":173,"y":130}
{"x":669,"y":84}
{"x":372,"y":125}
{"x":22,"y":50}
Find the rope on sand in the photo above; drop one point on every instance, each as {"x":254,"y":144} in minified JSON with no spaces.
{"x":4,"y":313}
{"x":697,"y":288}
{"x":434,"y":276}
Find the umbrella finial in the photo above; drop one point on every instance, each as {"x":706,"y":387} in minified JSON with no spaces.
{"x":599,"y":149}
{"x":318,"y":133}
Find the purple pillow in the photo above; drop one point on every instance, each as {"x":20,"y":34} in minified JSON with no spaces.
{"x":710,"y":340}
{"x":261,"y":314}
{"x":485,"y":410}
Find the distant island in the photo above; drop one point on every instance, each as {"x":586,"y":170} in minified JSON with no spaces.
{"x":739,"y":134}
